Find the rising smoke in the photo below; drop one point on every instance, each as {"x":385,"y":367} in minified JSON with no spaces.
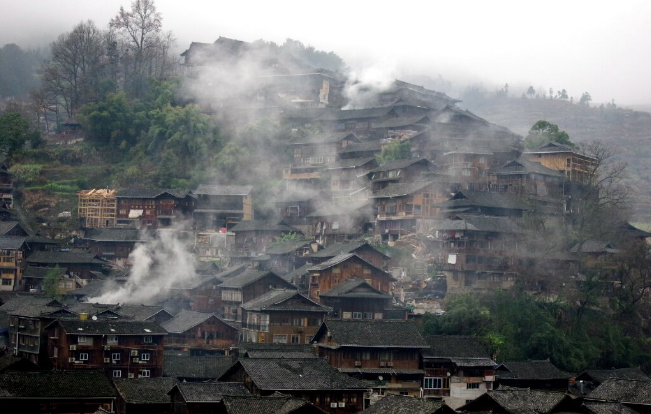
{"x":163,"y":262}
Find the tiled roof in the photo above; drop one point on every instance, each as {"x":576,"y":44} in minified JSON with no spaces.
{"x":11,"y":242}
{"x":524,"y":166}
{"x":35,"y":272}
{"x":296,"y":374}
{"x":340,"y":248}
{"x":113,"y":235}
{"x":454,"y":346}
{"x":56,"y":384}
{"x":287,"y":246}
{"x":263,"y":225}
{"x":467,"y":198}
{"x":375,"y":333}
{"x":199,"y":280}
{"x":199,"y":367}
{"x":93,"y":288}
{"x":30,"y":306}
{"x":552,"y":147}
{"x":40,"y":257}
{"x":404,"y":121}
{"x":247,"y":277}
{"x":149,"y":193}
{"x":326,"y":138}
{"x":468,"y":222}
{"x":517,"y":401}
{"x":366,"y":146}
{"x":187,"y":319}
{"x":140,"y":312}
{"x":274,"y":404}
{"x":600,"y":375}
{"x":11,"y":362}
{"x":402,"y":404}
{"x":345,"y":257}
{"x":278,"y":353}
{"x":217,"y":190}
{"x":594,"y":246}
{"x":301,"y":271}
{"x":113,"y":327}
{"x":355,"y":288}
{"x":145,"y":390}
{"x":351,"y":163}
{"x":7,"y":226}
{"x":196,"y":392}
{"x":623,"y":391}
{"x":534,"y":369}
{"x":399,"y":164}
{"x":277,"y":300}
{"x":356,"y":114}
{"x":607,"y":408}
{"x":401,"y":189}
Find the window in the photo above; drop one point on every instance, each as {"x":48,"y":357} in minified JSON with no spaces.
{"x":145,"y":356}
{"x":432,"y":383}
{"x":296,"y":339}
{"x":472,"y":386}
{"x":145,"y":373}
{"x":115,"y":356}
{"x":117,"y":373}
{"x":357,"y":315}
{"x":112,"y":340}
{"x":7,"y":282}
{"x":368,"y":315}
{"x":280,"y":339}
{"x":83,"y":356}
{"x":147,"y":339}
{"x":82,"y":340}
{"x":347,"y":315}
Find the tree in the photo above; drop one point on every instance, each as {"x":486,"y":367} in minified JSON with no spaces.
{"x":14,"y":133}
{"x":585,"y":99}
{"x":396,"y":150}
{"x":51,"y":283}
{"x":531,"y":91}
{"x":562,"y":95}
{"x":543,"y":132}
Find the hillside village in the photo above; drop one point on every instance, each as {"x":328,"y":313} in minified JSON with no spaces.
{"x":392,"y":204}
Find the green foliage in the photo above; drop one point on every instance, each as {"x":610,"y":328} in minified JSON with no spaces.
{"x":15,"y":132}
{"x":17,"y":70}
{"x":26,"y":173}
{"x":464,"y":316}
{"x":543,"y":132}
{"x":291,"y":236}
{"x":396,"y":150}
{"x":110,"y":122}
{"x":51,"y":282}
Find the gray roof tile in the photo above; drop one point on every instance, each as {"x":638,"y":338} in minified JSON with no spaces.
{"x":210,"y":391}
{"x":56,"y":384}
{"x":375,"y":333}
{"x":187,"y":319}
{"x":145,"y":390}
{"x":279,"y":300}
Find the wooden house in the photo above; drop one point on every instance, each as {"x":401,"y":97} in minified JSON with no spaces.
{"x":203,"y":293}
{"x":113,"y":244}
{"x":361,"y":248}
{"x":222,"y":206}
{"x":356,"y":299}
{"x":57,"y":392}
{"x":6,"y":187}
{"x":202,"y":397}
{"x":400,"y":171}
{"x":484,"y":203}
{"x":524,"y":177}
{"x":405,"y":91}
{"x":143,"y":395}
{"x":286,"y":256}
{"x":341,"y":221}
{"x":406,"y":207}
{"x":451,"y":363}
{"x":245,"y":287}
{"x":76,"y":263}
{"x":477,"y":251}
{"x":122,"y":349}
{"x":385,"y":353}
{"x":631,"y":394}
{"x":282,"y":316}
{"x":151,"y":208}
{"x":576,"y":167}
{"x":590,"y":379}
{"x":12,"y":228}
{"x":326,"y":275}
{"x":518,"y":400}
{"x":358,"y":121}
{"x":348,"y":176}
{"x":365,"y":149}
{"x":33,"y":278}
{"x":311,"y":379}
{"x":534,"y":374}
{"x":12,"y":253}
{"x":402,"y":127}
{"x":252,"y":237}
{"x":200,"y":333}
{"x":294,"y":210}
{"x":97,"y":208}
{"x":195,"y":368}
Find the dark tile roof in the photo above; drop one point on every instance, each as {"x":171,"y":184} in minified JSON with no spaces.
{"x":199,"y":280}
{"x":287,"y":246}
{"x":552,"y":147}
{"x":341,"y":248}
{"x":375,"y":333}
{"x":7,"y":226}
{"x":277,"y":353}
{"x":355,"y":288}
{"x":196,"y":392}
{"x":113,"y":235}
{"x":35,"y":272}
{"x":56,"y":384}
{"x":140,"y":312}
{"x":31,"y":306}
{"x":263,"y":225}
{"x":303,"y":113}
{"x":399,"y":164}
{"x":113,"y":327}
{"x":149,"y":193}
{"x":524,"y":166}
{"x":366,"y":146}
{"x":277,"y":300}
{"x":351,"y":163}
{"x":343,"y":115}
{"x":402,"y":404}
{"x":401,"y":189}
{"x":187,"y":319}
{"x":594,"y":247}
{"x":531,"y":370}
{"x":274,"y":404}
{"x":454,"y":346}
{"x":517,"y":401}
{"x":93,"y":288}
{"x":270,"y":374}
{"x":145,"y":390}
{"x":607,"y":408}
{"x":40,"y":257}
{"x":11,"y":242}
{"x":326,"y":138}
{"x":247,"y":277}
{"x":217,"y":190}
{"x":269,"y":347}
{"x":600,"y":375}
{"x":11,"y":362}
{"x":345,"y":257}
{"x":623,"y":391}
{"x":197,"y":367}
{"x":301,"y":271}
{"x":468,"y":198}
{"x":468,"y":222}
{"x":403,"y":121}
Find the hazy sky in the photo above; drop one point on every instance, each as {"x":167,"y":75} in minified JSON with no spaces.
{"x":596,"y":46}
